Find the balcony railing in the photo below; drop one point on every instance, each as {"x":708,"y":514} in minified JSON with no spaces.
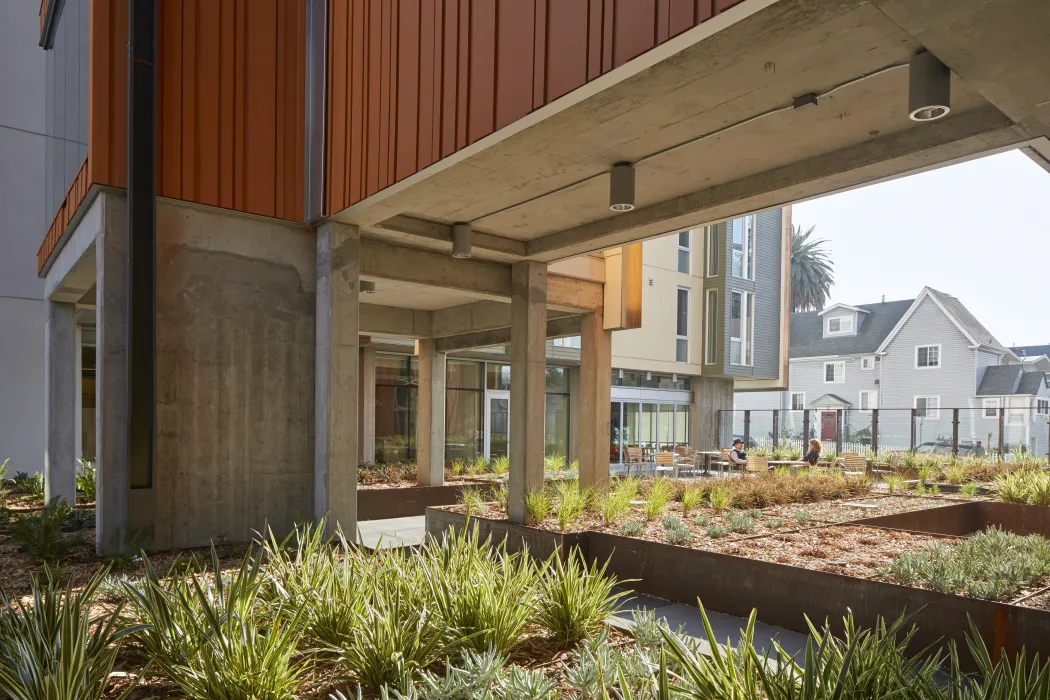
{"x":1009,"y":432}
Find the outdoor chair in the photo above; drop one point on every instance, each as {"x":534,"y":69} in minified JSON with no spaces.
{"x":853,"y":464}
{"x":686,"y":454}
{"x":633,"y":455}
{"x":757,"y":464}
{"x":665,"y":462}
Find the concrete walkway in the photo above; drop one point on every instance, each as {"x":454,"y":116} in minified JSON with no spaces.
{"x":393,"y":532}
{"x":725,"y":627}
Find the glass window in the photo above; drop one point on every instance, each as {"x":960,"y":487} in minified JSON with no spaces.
{"x":464,"y":412}
{"x":834,"y":372}
{"x":1042,"y":406}
{"x":928,"y":356}
{"x":558,"y":380}
{"x":633,"y":379}
{"x":840,"y":324}
{"x":681,"y":425}
{"x":666,"y":435}
{"x":711,"y":252}
{"x":571,"y":342}
{"x":647,"y":426}
{"x":867,"y":363}
{"x":683,"y":252}
{"x":631,"y":414}
{"x":927,"y":406}
{"x":615,"y":434}
{"x":867,"y":400}
{"x":396,"y":392}
{"x":650,"y":380}
{"x":682,"y":344}
{"x":556,"y":425}
{"x":991,"y":408}
{"x":798,"y":401}
{"x":711,"y":318}
{"x":749,"y":329}
{"x":497,"y":377}
{"x":740,"y":328}
{"x":462,"y":374}
{"x":743,"y":246}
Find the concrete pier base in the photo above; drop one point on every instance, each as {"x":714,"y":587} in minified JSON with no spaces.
{"x":60,"y":390}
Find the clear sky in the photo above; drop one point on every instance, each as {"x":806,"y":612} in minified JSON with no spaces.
{"x":979,"y":231}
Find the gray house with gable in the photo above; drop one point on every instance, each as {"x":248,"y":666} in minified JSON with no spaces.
{"x":928,"y":355}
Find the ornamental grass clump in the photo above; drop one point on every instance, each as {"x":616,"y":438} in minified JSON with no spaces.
{"x":660,"y":492}
{"x":500,"y":465}
{"x":955,"y":473}
{"x":612,"y":505}
{"x":472,"y":500}
{"x":968,"y":490}
{"x":1026,"y":486}
{"x":539,"y":504}
{"x":720,"y":498}
{"x":574,"y":600}
{"x":571,"y":502}
{"x":691,"y":500}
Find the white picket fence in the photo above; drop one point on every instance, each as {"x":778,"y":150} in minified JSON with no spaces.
{"x":799,"y":444}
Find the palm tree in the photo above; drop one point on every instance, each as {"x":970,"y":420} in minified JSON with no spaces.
{"x":811,"y":273}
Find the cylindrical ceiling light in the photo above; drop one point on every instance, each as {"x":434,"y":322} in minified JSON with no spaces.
{"x":621,"y":187}
{"x":461,"y":241}
{"x":929,"y":88}
{"x":367,"y":287}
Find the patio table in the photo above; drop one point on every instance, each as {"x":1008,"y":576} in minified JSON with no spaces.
{"x":707,"y":455}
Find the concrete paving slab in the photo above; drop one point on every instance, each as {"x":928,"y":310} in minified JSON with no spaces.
{"x":392,"y":532}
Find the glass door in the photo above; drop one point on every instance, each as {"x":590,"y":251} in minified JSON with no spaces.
{"x":497,"y":424}
{"x":615,"y":435}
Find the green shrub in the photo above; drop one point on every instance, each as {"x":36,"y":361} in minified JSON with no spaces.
{"x":632,"y":528}
{"x":968,"y":490}
{"x":716,"y":531}
{"x":55,"y":648}
{"x":802,"y":517}
{"x":500,"y":465}
{"x":574,"y":601}
{"x":472,"y":500}
{"x":32,"y":486}
{"x":554,"y":463}
{"x":627,"y":488}
{"x":41,"y":535}
{"x":720,"y":499}
{"x":741,"y":524}
{"x":701,"y":522}
{"x":539,"y":504}
{"x":955,"y":473}
{"x":612,"y":505}
{"x":86,"y":479}
{"x":478,"y":466}
{"x":754,"y":513}
{"x":660,"y":492}
{"x":676,"y":531}
{"x":895,"y":483}
{"x":691,"y":499}
{"x":774,"y":523}
{"x":501,"y":494}
{"x":457,"y":467}
{"x":1024,"y":486}
{"x":571,"y":502}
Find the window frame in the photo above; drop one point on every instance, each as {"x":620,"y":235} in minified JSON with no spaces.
{"x":865,"y":359}
{"x":711,"y":328}
{"x":747,"y":253}
{"x":838,"y":379}
{"x":847,"y":331}
{"x":926,"y":411}
{"x":747,"y":325}
{"x":940,"y":356}
{"x":873,"y":400}
{"x":711,"y":250}
{"x":687,"y":249}
{"x":791,"y":400}
{"x":678,"y":315}
{"x":1042,"y":407}
{"x":993,"y":404}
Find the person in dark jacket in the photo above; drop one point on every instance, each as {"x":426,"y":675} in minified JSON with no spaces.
{"x":813,"y":456}
{"x":737,"y":456}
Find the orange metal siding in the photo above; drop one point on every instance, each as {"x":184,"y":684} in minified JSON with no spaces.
{"x":74,"y":197}
{"x":413,"y":81}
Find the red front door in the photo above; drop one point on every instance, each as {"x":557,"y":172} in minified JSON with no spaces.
{"x":827,"y":426}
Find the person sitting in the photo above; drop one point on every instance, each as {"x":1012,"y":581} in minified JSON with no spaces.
{"x":737,"y":456}
{"x":813,"y":456}
{"x":978,"y":450}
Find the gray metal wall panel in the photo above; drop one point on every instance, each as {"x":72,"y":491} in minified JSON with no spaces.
{"x":67,"y":103}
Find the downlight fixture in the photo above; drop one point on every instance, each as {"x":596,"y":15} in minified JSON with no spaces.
{"x":621,"y":187}
{"x":367,"y":287}
{"x":461,"y":241}
{"x":929,"y":88}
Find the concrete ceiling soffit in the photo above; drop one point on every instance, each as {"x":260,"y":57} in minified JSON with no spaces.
{"x":507,"y":248}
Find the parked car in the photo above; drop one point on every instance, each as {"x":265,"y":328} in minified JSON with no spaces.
{"x":944,"y":447}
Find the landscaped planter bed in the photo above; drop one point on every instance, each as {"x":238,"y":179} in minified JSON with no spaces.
{"x":841,"y":510}
{"x":388,"y":502}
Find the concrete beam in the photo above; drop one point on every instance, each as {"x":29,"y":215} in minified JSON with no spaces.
{"x":471,"y":318}
{"x":336,"y":396}
{"x":61,"y":398}
{"x":430,"y":415}
{"x":385,"y":261}
{"x":571,"y":293}
{"x":396,"y":322}
{"x":562,"y":327}
{"x":436,"y":231}
{"x":528,"y":384}
{"x":893,"y":155}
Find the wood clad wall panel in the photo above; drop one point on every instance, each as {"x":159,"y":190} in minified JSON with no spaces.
{"x":107,"y":93}
{"x":413,"y":81}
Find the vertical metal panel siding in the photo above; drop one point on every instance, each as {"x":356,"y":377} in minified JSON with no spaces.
{"x":412,"y":81}
{"x":769,"y":244}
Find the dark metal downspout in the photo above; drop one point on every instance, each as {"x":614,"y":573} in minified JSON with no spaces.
{"x":142,"y":239}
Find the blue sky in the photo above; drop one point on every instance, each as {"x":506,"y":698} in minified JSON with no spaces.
{"x":979,"y":231}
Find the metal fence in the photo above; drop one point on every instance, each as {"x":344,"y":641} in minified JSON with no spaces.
{"x":1009,"y":432}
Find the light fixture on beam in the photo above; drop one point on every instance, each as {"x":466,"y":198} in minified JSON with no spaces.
{"x":929,"y":88}
{"x":461,"y":241}
{"x":621,"y":187}
{"x":367,"y":287}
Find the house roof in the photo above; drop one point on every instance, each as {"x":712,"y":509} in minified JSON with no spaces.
{"x":833,"y":307}
{"x":807,"y":331}
{"x":828,"y":400}
{"x":974,"y":328}
{"x":1010,"y":380}
{"x":1031,"y":350}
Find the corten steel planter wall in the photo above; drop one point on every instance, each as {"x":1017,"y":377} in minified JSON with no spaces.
{"x":968,"y":518}
{"x":783,"y":595}
{"x":540,"y":543}
{"x":379,"y":504}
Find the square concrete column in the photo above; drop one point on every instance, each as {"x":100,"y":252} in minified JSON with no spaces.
{"x":60,"y":391}
{"x":711,"y":395}
{"x":528,"y":382}
{"x":430,"y":414}
{"x":367,"y":421}
{"x":111,"y":374}
{"x":595,"y":398}
{"x":337,"y":373}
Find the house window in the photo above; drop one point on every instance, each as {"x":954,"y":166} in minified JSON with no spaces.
{"x":741,"y":329}
{"x":1042,"y":407}
{"x":834,"y":372}
{"x":991,"y":408}
{"x":682,"y":326}
{"x":798,"y":401}
{"x":928,"y":407}
{"x":927,"y":356}
{"x":711,"y":242}
{"x":868,"y":400}
{"x":683,"y":251}
{"x":711,"y":318}
{"x":867,"y":363}
{"x":744,"y":246}
{"x":570,"y":342}
{"x":840,"y":325}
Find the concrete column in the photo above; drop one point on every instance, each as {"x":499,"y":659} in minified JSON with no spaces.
{"x":337,"y":374}
{"x":60,"y":387}
{"x":528,"y":382}
{"x":595,"y":398}
{"x":78,"y":393}
{"x":367,"y":421}
{"x":711,"y":395}
{"x":111,"y":374}
{"x":574,"y":414}
{"x":430,"y":414}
